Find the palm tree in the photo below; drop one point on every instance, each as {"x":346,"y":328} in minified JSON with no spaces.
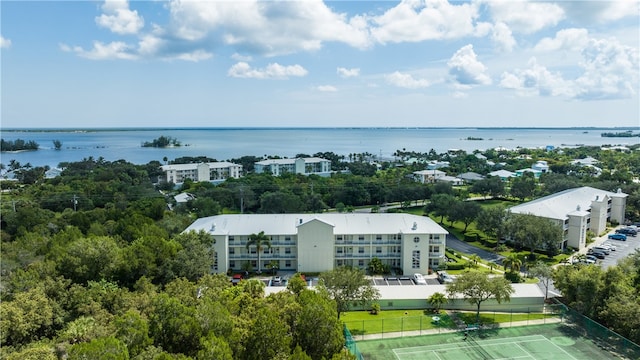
{"x":475,"y":259}
{"x":436,"y":301}
{"x":259,"y":241}
{"x":513,"y":263}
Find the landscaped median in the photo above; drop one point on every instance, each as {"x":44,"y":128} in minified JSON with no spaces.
{"x":362,"y":323}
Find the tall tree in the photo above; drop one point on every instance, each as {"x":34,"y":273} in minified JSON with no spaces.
{"x":477,"y":287}
{"x":490,"y":219}
{"x":523,"y":187}
{"x":465,"y":211}
{"x":259,"y":240}
{"x":440,"y":205}
{"x":512,"y":263}
{"x":348,"y":286}
{"x":544,"y":273}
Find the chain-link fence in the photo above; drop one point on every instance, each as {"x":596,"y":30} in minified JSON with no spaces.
{"x":351,"y":344}
{"x":450,"y":321}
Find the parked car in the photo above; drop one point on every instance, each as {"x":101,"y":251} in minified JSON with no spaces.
{"x":621,"y":237}
{"x":596,"y":253}
{"x":444,"y":277}
{"x":627,"y":231}
{"x":590,"y":259}
{"x":601,"y":249}
{"x":611,"y":247}
{"x":276,"y":280}
{"x":419,"y":279}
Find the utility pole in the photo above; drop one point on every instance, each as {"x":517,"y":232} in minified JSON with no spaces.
{"x":241,"y":200}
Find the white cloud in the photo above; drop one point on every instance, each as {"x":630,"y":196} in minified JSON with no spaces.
{"x":502,"y":37}
{"x":566,"y":39}
{"x":102,"y":51}
{"x":414,"y":21}
{"x":239,"y":57}
{"x":326,"y":88}
{"x":465,"y":68}
{"x":588,"y":12}
{"x":118,"y":18}
{"x":537,"y":80}
{"x":265,"y":27}
{"x":4,"y":43}
{"x":524,"y":16}
{"x":406,"y":81}
{"x":347,"y":73}
{"x":272,"y":71}
{"x":611,"y":71}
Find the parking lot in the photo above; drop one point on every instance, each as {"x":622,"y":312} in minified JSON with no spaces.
{"x":623,"y":249}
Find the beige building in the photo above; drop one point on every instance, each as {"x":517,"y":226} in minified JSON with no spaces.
{"x":577,"y":211}
{"x":320,"y":242}
{"x":211,"y":171}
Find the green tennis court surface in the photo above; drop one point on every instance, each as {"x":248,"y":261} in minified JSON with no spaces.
{"x":538,"y":342}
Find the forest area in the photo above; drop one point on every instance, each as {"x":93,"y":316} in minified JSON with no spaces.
{"x":95,"y":263}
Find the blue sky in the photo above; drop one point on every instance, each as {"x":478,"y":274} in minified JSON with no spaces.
{"x":313,"y":63}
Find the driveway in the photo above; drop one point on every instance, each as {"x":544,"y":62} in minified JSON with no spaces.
{"x":463,"y":247}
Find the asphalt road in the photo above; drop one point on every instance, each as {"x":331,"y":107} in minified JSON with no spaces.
{"x":463,"y":247}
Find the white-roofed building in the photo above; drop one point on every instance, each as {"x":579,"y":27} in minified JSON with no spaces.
{"x":504,"y":175}
{"x":320,"y":242}
{"x":578,"y":210}
{"x":428,"y":176}
{"x":305,"y":166}
{"x":211,"y":171}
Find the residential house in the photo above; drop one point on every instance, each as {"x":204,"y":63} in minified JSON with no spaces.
{"x":428,"y":176}
{"x":504,"y":175}
{"x":470,"y":177}
{"x":321,"y":242}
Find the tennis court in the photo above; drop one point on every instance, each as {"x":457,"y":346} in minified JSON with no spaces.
{"x":534,"y":347}
{"x":536,"y":342}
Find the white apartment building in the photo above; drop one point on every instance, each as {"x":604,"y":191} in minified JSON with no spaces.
{"x":320,"y":242}
{"x":211,"y":171}
{"x":306,"y":166}
{"x":578,"y":210}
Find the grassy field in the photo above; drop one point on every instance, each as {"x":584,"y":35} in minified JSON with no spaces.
{"x":362,"y":322}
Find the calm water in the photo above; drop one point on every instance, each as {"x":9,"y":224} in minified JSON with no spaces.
{"x":224,"y":144}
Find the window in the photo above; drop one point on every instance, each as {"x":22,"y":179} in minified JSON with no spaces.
{"x":415,"y":259}
{"x":266,"y":250}
{"x":231,"y":238}
{"x":287,"y":263}
{"x":232,"y":264}
{"x":361,"y":250}
{"x":378,"y":237}
{"x":434,"y":249}
{"x":287,"y":250}
{"x":253,"y":250}
{"x":339,"y":250}
{"x":361,"y":262}
{"x":287,"y":238}
{"x":361,"y":237}
{"x":416,"y":239}
{"x":232,"y":251}
{"x":378,"y":249}
{"x":339,"y":238}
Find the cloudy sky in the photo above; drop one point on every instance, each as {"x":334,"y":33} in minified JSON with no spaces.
{"x":319,"y":64}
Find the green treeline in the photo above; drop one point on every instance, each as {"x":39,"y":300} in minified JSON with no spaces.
{"x":620,"y":134}
{"x":17,"y":145}
{"x":161,"y":142}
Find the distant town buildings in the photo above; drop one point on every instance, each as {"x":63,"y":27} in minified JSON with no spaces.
{"x":321,"y":242}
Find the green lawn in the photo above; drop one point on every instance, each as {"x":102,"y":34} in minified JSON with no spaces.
{"x":362,"y":322}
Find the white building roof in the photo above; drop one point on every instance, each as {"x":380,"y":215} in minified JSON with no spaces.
{"x":502,"y":173}
{"x":290,"y":161}
{"x":558,"y":205}
{"x":350,"y":223}
{"x":182,"y":167}
{"x":410,"y":292}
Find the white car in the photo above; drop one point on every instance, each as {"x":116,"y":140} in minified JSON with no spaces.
{"x":609,"y":246}
{"x":444,"y":277}
{"x":419,"y":279}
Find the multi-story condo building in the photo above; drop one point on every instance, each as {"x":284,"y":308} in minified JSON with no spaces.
{"x":577,"y":211}
{"x":320,"y":242}
{"x":305,"y":166}
{"x":212,"y":172}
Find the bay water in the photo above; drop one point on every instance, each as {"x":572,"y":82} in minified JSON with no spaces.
{"x":228,"y":143}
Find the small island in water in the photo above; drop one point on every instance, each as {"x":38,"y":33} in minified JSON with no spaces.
{"x":162,"y":142}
